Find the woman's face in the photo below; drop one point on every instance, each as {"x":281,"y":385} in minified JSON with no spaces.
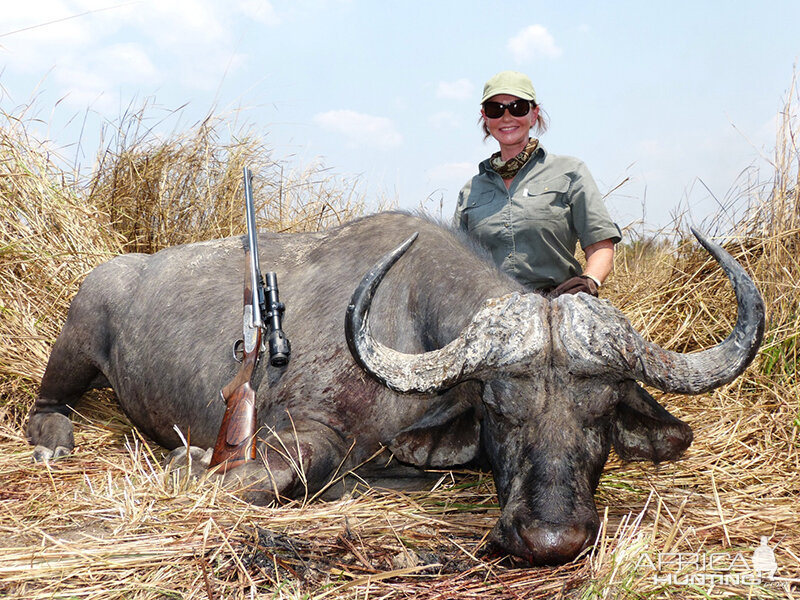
{"x":509,"y":131}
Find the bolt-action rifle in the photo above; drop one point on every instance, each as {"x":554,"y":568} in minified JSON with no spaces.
{"x":236,"y":441}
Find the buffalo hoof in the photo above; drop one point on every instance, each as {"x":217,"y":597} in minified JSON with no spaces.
{"x":43,"y":454}
{"x":51,"y":435}
{"x":250,"y":482}
{"x":193,"y":461}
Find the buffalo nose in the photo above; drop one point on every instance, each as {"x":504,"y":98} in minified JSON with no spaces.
{"x":557,"y":544}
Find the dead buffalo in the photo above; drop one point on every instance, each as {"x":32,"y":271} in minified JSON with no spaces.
{"x":462,"y":368}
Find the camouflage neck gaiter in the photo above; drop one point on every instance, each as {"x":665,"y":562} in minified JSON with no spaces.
{"x":509,"y":168}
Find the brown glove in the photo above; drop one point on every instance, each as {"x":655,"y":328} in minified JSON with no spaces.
{"x":581,"y":283}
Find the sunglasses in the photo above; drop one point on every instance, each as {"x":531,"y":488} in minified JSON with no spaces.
{"x":517,"y":108}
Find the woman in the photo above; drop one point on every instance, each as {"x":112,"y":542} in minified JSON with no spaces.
{"x":529,"y":207}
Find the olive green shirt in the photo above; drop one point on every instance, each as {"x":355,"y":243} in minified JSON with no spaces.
{"x":532,"y":228}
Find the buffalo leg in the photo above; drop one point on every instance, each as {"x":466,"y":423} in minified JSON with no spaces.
{"x":292,"y":463}
{"x":68,"y":375}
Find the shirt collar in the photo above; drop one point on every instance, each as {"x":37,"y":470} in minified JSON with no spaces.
{"x":486,"y":164}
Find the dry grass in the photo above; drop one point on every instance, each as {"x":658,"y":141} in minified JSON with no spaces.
{"x":50,"y":238}
{"x":109,"y":523}
{"x":165,"y":191}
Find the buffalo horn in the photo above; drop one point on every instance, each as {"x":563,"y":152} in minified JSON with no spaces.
{"x":598,"y":341}
{"x":502,"y":335}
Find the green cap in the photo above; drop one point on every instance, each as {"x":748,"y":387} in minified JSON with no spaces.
{"x":509,"y":82}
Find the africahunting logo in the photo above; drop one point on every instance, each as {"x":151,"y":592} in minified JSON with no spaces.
{"x":717,"y":568}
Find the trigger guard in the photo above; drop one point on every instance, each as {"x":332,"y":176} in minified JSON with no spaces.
{"x":238,"y":350}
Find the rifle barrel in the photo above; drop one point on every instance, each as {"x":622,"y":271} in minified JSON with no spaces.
{"x":252,"y":242}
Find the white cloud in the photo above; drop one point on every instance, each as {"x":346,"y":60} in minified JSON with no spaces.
{"x":532,"y":43}
{"x":94,"y":79}
{"x":360,"y":129}
{"x":108,"y":47}
{"x":57,"y":28}
{"x":461,"y":89}
{"x":184,"y":23}
{"x":131,"y":58}
{"x":37,"y":36}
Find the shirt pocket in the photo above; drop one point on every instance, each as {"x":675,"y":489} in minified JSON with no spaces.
{"x":546,"y":199}
{"x":482,"y":208}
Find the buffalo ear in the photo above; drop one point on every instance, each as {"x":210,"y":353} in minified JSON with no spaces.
{"x":642,"y":429}
{"x":446,"y":436}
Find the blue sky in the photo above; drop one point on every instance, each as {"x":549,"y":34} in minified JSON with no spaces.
{"x":681,"y":98}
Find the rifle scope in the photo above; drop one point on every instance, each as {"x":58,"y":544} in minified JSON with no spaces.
{"x":279,"y":348}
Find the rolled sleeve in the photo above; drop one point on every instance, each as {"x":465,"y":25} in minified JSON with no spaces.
{"x":590,"y":216}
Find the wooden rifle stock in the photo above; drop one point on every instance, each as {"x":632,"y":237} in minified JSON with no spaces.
{"x":236,"y":441}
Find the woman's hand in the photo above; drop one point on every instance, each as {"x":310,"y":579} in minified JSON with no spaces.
{"x":599,"y":262}
{"x":573,"y":285}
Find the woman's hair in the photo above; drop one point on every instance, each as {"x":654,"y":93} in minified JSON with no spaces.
{"x":540,"y":125}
